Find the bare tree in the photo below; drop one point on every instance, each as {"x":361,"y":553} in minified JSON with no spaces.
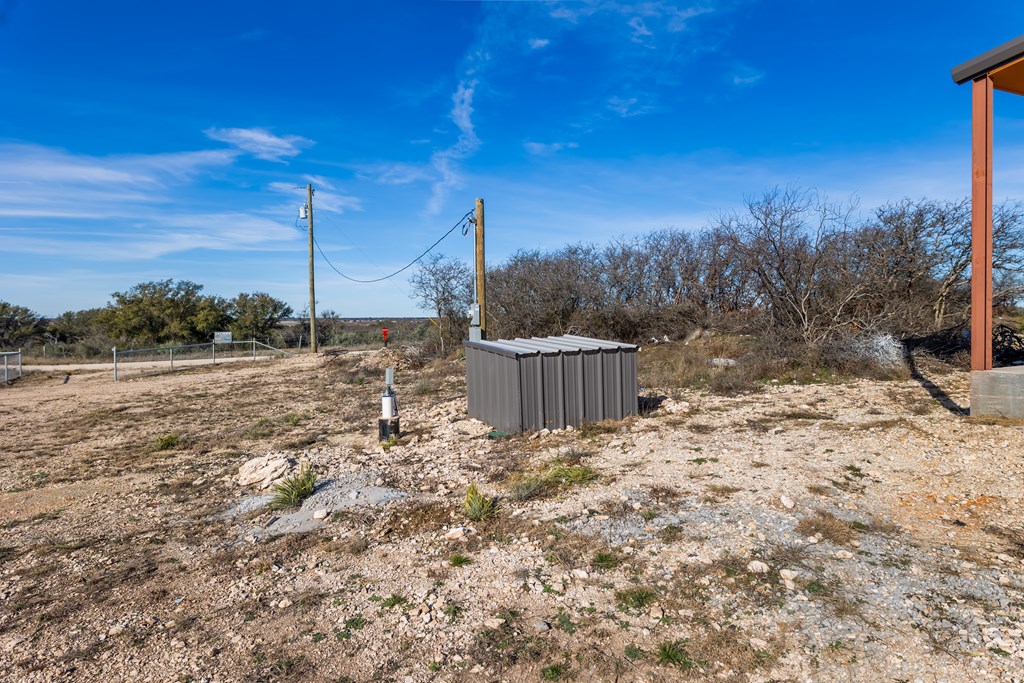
{"x":796,"y":245}
{"x":445,"y":287}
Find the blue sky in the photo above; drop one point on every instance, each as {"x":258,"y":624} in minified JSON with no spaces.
{"x":143,"y":141}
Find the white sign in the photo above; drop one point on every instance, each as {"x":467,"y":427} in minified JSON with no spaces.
{"x":222,"y":337}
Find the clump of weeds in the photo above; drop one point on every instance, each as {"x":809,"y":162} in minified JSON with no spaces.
{"x":291,"y":491}
{"x":478,"y":507}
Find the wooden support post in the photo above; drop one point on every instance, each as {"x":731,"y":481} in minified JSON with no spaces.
{"x":481,"y":287}
{"x":981,"y":224}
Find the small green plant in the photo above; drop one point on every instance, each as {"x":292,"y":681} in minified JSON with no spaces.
{"x":672,"y":653}
{"x":351,"y":624}
{"x":390,"y":443}
{"x":291,"y":491}
{"x":636,"y":598}
{"x":263,"y":428}
{"x":434,"y":666}
{"x":648,"y":514}
{"x":555,"y":672}
{"x":670,"y":533}
{"x":293,"y":419}
{"x":527,"y":487}
{"x":167,"y":442}
{"x":460,"y":560}
{"x":570,"y":474}
{"x":605,"y":560}
{"x":453,"y":610}
{"x":634,"y":653}
{"x":394,"y":601}
{"x":423,"y":388}
{"x":478,"y":507}
{"x":564,"y":621}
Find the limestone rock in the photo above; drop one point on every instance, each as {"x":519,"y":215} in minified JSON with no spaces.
{"x":757,"y":567}
{"x":264,"y":471}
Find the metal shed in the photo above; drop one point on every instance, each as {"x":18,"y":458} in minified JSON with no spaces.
{"x":550,"y":382}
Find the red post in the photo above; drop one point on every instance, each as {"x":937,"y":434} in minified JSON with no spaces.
{"x":385,"y":331}
{"x":981,"y":224}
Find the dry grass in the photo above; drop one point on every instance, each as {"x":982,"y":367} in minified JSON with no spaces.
{"x":827,"y":527}
{"x":717,"y":493}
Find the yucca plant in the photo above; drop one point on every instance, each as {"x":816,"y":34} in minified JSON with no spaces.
{"x":291,"y":491}
{"x":478,"y":507}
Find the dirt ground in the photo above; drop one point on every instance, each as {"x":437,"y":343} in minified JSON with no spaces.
{"x":861,"y":531}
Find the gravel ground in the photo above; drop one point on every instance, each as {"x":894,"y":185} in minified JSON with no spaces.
{"x":841,"y":532}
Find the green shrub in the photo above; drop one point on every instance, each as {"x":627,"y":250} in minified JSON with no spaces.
{"x":167,"y":442}
{"x":636,"y":598}
{"x":478,"y":507}
{"x":672,"y":653}
{"x":291,"y":491}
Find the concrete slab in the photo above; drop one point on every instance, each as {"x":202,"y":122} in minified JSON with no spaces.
{"x":998,"y":392}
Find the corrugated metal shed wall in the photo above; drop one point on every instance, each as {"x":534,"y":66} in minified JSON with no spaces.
{"x":551,"y":382}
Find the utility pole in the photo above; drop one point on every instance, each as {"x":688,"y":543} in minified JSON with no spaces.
{"x":481,"y":289}
{"x":312,"y":294}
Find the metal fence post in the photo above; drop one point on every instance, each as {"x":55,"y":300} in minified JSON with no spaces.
{"x":213,"y":348}
{"x":115,"y":363}
{"x":20,"y":369}
{"x":254,"y":349}
{"x":172,"y":359}
{"x":5,"y":368}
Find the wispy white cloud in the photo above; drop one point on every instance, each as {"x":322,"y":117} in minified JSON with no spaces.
{"x":325,"y":198}
{"x":133,"y":206}
{"x":546,"y":148}
{"x":745,"y":75}
{"x":261,"y":143}
{"x":168,"y":233}
{"x":539,"y":43}
{"x":640,"y":30}
{"x":319,"y":181}
{"x":386,"y":173}
{"x":445,"y":161}
{"x":668,"y":14}
{"x":28,"y":164}
{"x":627,"y":107}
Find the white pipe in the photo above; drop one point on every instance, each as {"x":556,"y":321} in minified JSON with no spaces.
{"x":387,"y":407}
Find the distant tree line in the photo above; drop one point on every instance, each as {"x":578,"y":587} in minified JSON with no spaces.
{"x":791,"y":264}
{"x":169,"y":312}
{"x":157,"y":313}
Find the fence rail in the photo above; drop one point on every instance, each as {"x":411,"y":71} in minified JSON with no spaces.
{"x":12,"y":365}
{"x":163,"y":357}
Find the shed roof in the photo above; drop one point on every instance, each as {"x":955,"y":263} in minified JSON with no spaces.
{"x":1004,"y":64}
{"x":535,"y":345}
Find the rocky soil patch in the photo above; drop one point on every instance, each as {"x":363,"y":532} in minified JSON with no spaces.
{"x":839,"y":532}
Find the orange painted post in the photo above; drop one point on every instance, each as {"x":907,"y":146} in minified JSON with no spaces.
{"x":981,"y":224}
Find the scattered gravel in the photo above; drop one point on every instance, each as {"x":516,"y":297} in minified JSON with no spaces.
{"x":806,"y":533}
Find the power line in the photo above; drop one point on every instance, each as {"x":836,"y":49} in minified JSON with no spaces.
{"x":461,"y":222}
{"x":365,"y":255}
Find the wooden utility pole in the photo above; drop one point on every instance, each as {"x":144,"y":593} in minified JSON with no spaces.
{"x":481,"y":288}
{"x":312,"y":294}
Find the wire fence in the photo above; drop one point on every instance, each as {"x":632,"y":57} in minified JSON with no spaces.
{"x":12,"y":365}
{"x":169,"y":358}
